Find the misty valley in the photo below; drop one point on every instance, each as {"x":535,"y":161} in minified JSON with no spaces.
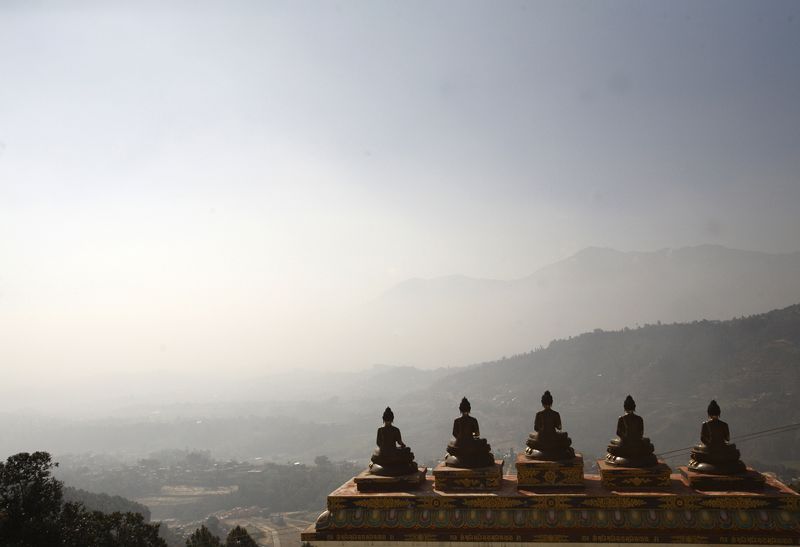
{"x":268,"y":466}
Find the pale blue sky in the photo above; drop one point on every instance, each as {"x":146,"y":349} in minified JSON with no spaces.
{"x":197,"y":174}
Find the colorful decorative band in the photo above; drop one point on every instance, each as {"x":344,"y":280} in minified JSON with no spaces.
{"x":563,"y":502}
{"x":583,"y":521}
{"x":511,"y":536}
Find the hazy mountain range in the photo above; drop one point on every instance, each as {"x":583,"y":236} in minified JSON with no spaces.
{"x":750,"y":364}
{"x":456,"y":320}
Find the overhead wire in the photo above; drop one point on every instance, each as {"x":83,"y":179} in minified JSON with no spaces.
{"x":670,"y":454}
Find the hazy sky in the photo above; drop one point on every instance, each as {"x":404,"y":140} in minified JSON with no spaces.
{"x":194,"y":185}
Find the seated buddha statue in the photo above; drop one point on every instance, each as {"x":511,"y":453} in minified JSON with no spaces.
{"x":715,"y":454}
{"x":391,"y":457}
{"x":548,"y":442}
{"x":467,"y":448}
{"x":630,"y":448}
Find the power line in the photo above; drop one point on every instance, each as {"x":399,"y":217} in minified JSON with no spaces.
{"x":669,"y":454}
{"x":747,"y":437}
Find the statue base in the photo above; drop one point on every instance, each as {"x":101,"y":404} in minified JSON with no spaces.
{"x":370,"y":482}
{"x":748,"y":481}
{"x":454,"y":479}
{"x":549,"y":474}
{"x":616,"y":477}
{"x":592,"y":517}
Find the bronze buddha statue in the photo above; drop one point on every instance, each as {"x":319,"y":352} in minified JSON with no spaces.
{"x":630,"y":448}
{"x":548,"y":442}
{"x":391,"y":457}
{"x":467,"y":449}
{"x":715,"y":454}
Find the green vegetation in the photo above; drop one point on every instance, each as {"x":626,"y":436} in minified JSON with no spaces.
{"x":203,"y":537}
{"x":104,"y":503}
{"x":238,"y":537}
{"x":31,"y":502}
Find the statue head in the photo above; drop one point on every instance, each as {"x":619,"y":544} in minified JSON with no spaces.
{"x":464,"y":406}
{"x":388,"y":415}
{"x":629,"y":405}
{"x":547,"y":399}
{"x":713,"y":409}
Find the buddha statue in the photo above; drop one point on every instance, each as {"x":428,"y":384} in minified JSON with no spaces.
{"x":467,"y":448}
{"x":630,"y":448}
{"x":715,"y":454}
{"x":391,"y":457}
{"x":548,"y":442}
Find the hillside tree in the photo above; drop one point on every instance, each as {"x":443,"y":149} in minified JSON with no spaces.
{"x":238,"y":537}
{"x":202,"y":537}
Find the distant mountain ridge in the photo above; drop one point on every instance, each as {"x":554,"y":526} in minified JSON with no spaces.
{"x":595,"y":288}
{"x":598,"y":254}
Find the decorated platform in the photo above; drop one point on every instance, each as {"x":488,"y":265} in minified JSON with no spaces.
{"x":595,"y":514}
{"x":453,"y":479}
{"x":542,"y":474}
{"x":749,"y":480}
{"x":634,"y":478}
{"x":370,"y":482}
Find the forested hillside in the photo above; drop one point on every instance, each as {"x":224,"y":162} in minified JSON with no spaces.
{"x":104,"y":503}
{"x":750,"y":365}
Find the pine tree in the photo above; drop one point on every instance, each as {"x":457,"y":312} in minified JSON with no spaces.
{"x":202,"y":537}
{"x":238,"y":537}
